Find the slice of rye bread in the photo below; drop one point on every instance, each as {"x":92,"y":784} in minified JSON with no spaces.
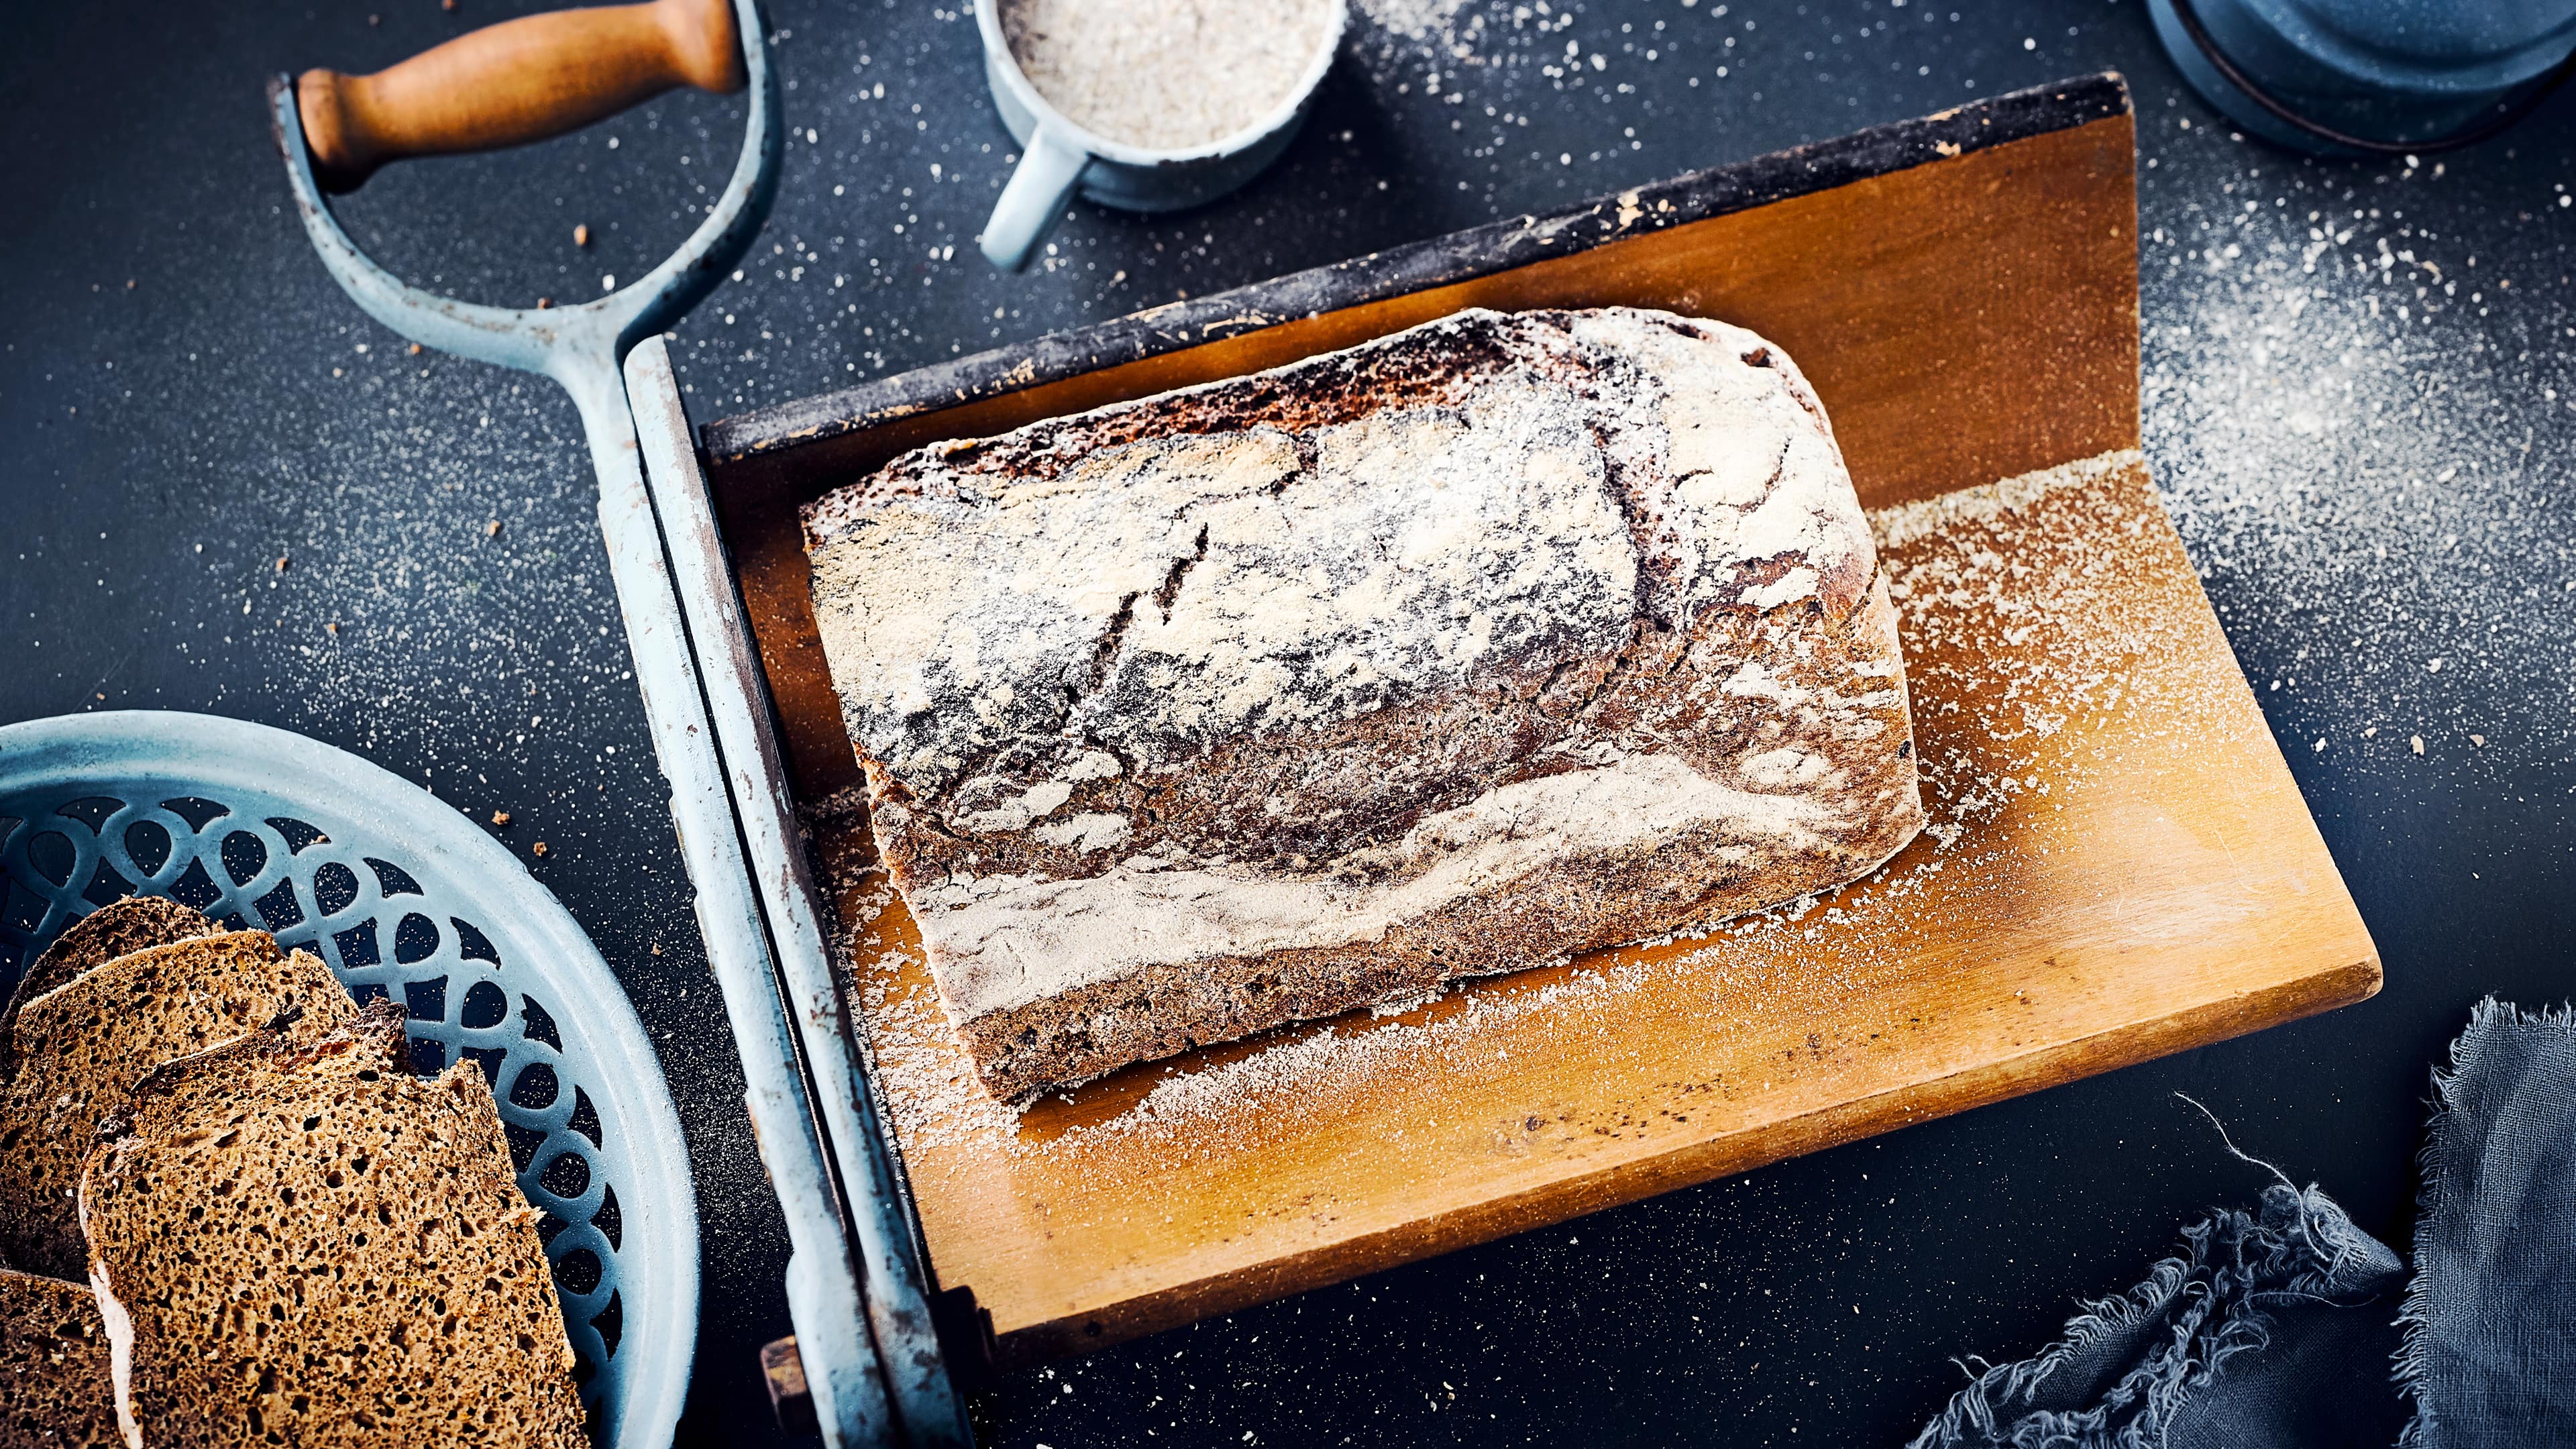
{"x":219,"y":1079}
{"x":80,"y":1048}
{"x":299,"y":1243}
{"x":55,"y":1392}
{"x":119,"y":928}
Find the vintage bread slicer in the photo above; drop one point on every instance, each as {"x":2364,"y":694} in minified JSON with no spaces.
{"x":1962,"y":290}
{"x":856,"y":1286}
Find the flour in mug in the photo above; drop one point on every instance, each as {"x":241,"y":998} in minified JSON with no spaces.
{"x":1166,"y":74}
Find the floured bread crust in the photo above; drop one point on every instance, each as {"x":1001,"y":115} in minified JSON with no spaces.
{"x":1497,"y":640}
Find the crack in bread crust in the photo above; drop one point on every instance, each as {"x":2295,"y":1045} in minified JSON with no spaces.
{"x":1296,"y":638}
{"x":1574,"y":904}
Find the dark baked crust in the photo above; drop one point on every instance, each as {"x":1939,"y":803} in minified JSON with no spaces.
{"x":1333,"y":793}
{"x":1573,"y":905}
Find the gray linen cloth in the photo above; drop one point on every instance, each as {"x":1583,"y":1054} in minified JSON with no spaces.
{"x":2283,"y":1327}
{"x":2490,"y":1357}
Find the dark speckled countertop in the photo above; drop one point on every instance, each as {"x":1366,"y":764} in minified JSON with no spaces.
{"x":2359,"y":401}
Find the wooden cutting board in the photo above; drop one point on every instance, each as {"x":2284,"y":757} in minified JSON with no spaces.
{"x":2119,"y":865}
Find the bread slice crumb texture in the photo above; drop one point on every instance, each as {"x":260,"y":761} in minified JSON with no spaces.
{"x":78,"y":1051}
{"x":308,"y":1245}
{"x":119,"y":928}
{"x":54,"y":1387}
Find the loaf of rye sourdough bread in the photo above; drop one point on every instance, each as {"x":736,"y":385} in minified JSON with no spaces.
{"x":1500,"y":639}
{"x":54,"y":1387}
{"x":76,"y":1052}
{"x":298,"y":1242}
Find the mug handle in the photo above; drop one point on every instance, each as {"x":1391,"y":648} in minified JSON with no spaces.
{"x":1035,"y":198}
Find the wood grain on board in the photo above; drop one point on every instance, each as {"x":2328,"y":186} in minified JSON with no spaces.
{"x":2149,"y":880}
{"x":2127,"y":868}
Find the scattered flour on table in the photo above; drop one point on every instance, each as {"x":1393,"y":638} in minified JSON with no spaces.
{"x":2359,"y":425}
{"x":1169,"y":74}
{"x":2025,"y":631}
{"x":1397,"y":38}
{"x":1425,"y":22}
{"x":1441,"y":44}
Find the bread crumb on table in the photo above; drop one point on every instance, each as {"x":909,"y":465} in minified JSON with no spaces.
{"x":500,"y":817}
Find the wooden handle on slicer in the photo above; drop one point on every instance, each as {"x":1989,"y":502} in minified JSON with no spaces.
{"x":519,"y":81}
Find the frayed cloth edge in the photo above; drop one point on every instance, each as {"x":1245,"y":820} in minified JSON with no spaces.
{"x":2486,"y":1020}
{"x":2160,"y":1385}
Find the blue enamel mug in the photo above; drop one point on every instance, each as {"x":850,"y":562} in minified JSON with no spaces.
{"x":2359,"y":77}
{"x":1059,"y":157}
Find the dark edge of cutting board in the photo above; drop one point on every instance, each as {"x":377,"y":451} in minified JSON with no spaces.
{"x":1459,"y":256}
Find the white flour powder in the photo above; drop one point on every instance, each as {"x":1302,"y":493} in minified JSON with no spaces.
{"x":2359,"y":424}
{"x":1431,"y":22}
{"x":1170,"y":74}
{"x":2027,"y":633}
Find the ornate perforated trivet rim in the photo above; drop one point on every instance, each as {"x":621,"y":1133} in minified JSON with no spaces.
{"x":407,"y":902}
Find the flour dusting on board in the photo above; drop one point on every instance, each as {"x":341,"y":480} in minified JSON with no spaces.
{"x":2026,"y":627}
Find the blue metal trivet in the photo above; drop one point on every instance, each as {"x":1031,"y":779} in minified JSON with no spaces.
{"x":408,"y":901}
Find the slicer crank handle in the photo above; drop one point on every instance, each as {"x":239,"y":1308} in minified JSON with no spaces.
{"x":519,"y":81}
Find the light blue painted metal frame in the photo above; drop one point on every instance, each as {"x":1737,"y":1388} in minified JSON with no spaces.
{"x":897,"y":1280}
{"x":857,"y":1290}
